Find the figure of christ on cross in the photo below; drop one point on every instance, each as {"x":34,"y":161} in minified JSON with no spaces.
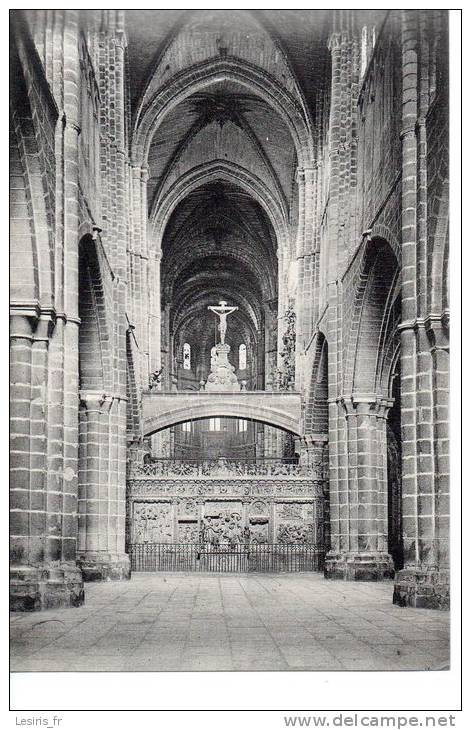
{"x":222,"y":311}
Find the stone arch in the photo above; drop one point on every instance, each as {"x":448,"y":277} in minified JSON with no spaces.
{"x":211,"y":408}
{"x":390,"y":345}
{"x":32,"y":177}
{"x":95,"y":364}
{"x":438,"y":256}
{"x":317,"y":411}
{"x":229,"y":172}
{"x":196,"y":78}
{"x":394,"y":464}
{"x":133,"y":410}
{"x":279,"y":59}
{"x":375,"y":294}
{"x":380,"y":231}
{"x":24,"y":278}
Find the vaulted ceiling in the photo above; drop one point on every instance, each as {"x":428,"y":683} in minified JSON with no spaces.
{"x":224,"y":105}
{"x":219,"y":244}
{"x":224,"y":123}
{"x":301,"y":33}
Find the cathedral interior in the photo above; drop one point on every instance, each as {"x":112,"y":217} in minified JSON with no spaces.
{"x":229,"y":297}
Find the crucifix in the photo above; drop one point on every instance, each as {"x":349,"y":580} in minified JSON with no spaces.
{"x":222,"y":311}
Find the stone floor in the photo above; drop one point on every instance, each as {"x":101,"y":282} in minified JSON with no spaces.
{"x":204,"y":622}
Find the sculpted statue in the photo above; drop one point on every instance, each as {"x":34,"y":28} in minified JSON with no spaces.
{"x":222,"y":311}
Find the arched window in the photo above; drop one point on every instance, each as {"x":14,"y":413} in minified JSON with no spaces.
{"x":368,"y":41}
{"x":186,"y":356}
{"x":186,"y":427}
{"x":214,"y":424}
{"x":241,"y":425}
{"x":242,"y":357}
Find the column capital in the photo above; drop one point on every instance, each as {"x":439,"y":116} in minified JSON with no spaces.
{"x":96,"y":400}
{"x":23,"y":320}
{"x":45,"y":326}
{"x":311,"y":441}
{"x":303,"y":172}
{"x":335,"y":41}
{"x":437,"y":329}
{"x":365,"y":404}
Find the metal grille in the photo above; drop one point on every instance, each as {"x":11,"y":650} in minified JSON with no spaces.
{"x":261,"y":558}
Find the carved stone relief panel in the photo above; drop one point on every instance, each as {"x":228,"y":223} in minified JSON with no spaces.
{"x":188,"y":532}
{"x":294,"y":523}
{"x":224,"y":520}
{"x":187,"y":507}
{"x":153,"y":522}
{"x":222,"y":523}
{"x":259,"y":521}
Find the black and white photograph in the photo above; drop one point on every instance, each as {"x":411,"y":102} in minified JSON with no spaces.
{"x":229,"y":343}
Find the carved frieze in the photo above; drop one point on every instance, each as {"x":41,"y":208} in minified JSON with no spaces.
{"x":226,"y":488}
{"x":221,"y":468}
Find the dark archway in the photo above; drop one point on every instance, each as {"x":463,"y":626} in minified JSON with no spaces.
{"x":394,"y":457}
{"x":317,"y":422}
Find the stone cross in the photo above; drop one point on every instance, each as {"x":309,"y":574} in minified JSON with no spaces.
{"x":222,"y":311}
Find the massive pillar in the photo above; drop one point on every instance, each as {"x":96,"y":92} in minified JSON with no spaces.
{"x":424,"y":581}
{"x":101,"y":499}
{"x":45,"y":369}
{"x":359,"y":505}
{"x":43,"y":571}
{"x":103,"y":384}
{"x":307,"y":256}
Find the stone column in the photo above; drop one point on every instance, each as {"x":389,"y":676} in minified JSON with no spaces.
{"x":43,"y":574}
{"x":424,"y":580}
{"x":101,"y":502}
{"x":259,"y":441}
{"x":166,"y":349}
{"x":140,"y":293}
{"x":359,"y":519}
{"x":307,"y":258}
{"x":155,"y":323}
{"x":51,"y":577}
{"x":271,"y":341}
{"x":311,"y":449}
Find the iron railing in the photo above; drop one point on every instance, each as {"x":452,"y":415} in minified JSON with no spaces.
{"x":256,"y":557}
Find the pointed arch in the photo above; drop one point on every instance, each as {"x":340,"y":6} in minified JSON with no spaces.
{"x":317,"y":412}
{"x":133,"y":406}
{"x":374,"y":312}
{"x":196,"y":78}
{"x":32,"y":171}
{"x":95,"y":363}
{"x":231,"y":173}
